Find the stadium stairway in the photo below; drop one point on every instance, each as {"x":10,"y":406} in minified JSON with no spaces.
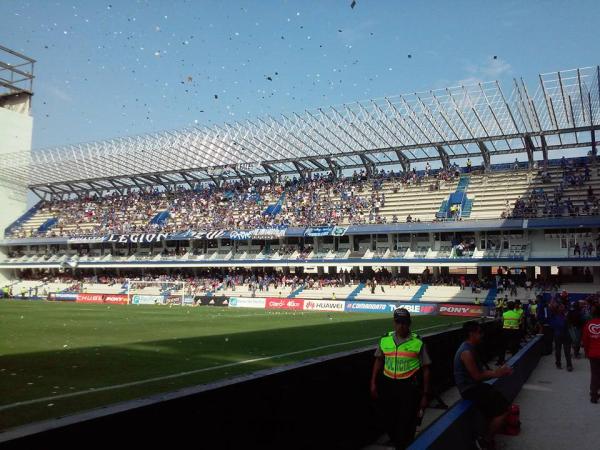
{"x":24,"y":218}
{"x":490,"y":297}
{"x":48,"y":224}
{"x":467,"y":208}
{"x":458,"y":197}
{"x":420,"y":292}
{"x":293,"y":294}
{"x":443,"y":211}
{"x":356,"y":291}
{"x":463,"y":183}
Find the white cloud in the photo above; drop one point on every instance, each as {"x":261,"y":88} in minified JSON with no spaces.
{"x":59,"y":93}
{"x":490,"y":70}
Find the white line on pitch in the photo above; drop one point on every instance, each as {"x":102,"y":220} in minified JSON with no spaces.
{"x":191,"y":372}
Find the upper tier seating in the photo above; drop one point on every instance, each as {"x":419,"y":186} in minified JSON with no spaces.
{"x":388,"y":197}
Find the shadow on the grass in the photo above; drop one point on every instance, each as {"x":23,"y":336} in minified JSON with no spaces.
{"x":64,"y":372}
{"x":57,"y":373}
{"x":269,"y":409}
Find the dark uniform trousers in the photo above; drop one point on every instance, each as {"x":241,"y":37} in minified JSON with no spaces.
{"x":398,"y":405}
{"x":510,"y":341}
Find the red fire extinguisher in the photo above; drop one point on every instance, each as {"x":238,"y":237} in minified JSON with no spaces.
{"x":512,"y":426}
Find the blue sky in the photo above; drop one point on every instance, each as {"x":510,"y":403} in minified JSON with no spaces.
{"x":114,"y":68}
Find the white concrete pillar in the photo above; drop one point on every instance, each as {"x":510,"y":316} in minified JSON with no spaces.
{"x":16,"y":126}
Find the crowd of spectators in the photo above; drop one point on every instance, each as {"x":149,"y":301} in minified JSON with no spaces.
{"x":312,"y":200}
{"x":214,"y":280}
{"x":544,"y":202}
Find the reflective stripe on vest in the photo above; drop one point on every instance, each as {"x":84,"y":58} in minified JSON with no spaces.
{"x":511,"y":320}
{"x":401,"y":361}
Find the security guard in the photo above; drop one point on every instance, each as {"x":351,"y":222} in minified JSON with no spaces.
{"x":500,"y":305}
{"x":400,"y":380}
{"x":533,"y":316}
{"x":511,"y":320}
{"x":521,"y":311}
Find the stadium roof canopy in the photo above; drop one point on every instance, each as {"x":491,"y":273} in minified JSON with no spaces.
{"x":478,"y":120}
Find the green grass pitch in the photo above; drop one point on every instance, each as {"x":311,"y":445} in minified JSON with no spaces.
{"x":62,"y":358}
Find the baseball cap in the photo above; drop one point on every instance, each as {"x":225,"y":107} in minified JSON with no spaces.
{"x":401,"y":315}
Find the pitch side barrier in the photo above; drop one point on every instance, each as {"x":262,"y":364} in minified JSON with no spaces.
{"x":322,"y":402}
{"x":353,"y":306}
{"x":458,"y":428}
{"x":290,"y":304}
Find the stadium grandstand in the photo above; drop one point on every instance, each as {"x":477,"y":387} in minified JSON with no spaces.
{"x":457,"y":181}
{"x":443,"y":202}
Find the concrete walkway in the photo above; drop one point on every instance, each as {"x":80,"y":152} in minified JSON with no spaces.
{"x":556,"y":412}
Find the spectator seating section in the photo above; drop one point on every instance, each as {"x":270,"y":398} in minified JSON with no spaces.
{"x":392,"y":293}
{"x":452,"y":294}
{"x":314,"y":202}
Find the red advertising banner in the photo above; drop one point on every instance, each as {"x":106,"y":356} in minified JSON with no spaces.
{"x":462,"y":310}
{"x":418,"y":308}
{"x":120,"y":299}
{"x":90,"y":298}
{"x":285,"y":303}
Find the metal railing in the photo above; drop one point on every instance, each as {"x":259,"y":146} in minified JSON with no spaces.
{"x":16,"y":72}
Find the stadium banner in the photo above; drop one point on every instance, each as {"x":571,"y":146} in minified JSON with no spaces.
{"x":90,"y":298}
{"x":373,"y":307}
{"x":258,"y":233}
{"x":87,"y":240}
{"x":245,"y":302}
{"x":198,"y":235}
{"x":296,"y":304}
{"x":462,"y":310}
{"x":240,"y":235}
{"x":188,"y":300}
{"x":138,"y":299}
{"x":324,"y":305}
{"x":69,"y":297}
{"x":325,"y":231}
{"x":211,"y":300}
{"x":114,"y":299}
{"x":419,"y":308}
{"x":142,"y":238}
{"x":118,"y":299}
{"x":339,"y":231}
{"x":318,"y":231}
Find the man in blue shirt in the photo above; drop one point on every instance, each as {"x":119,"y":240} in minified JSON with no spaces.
{"x":543,"y":320}
{"x":562,"y":338}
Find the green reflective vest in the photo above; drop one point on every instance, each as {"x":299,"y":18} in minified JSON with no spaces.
{"x":511,"y":320}
{"x":401,"y":361}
